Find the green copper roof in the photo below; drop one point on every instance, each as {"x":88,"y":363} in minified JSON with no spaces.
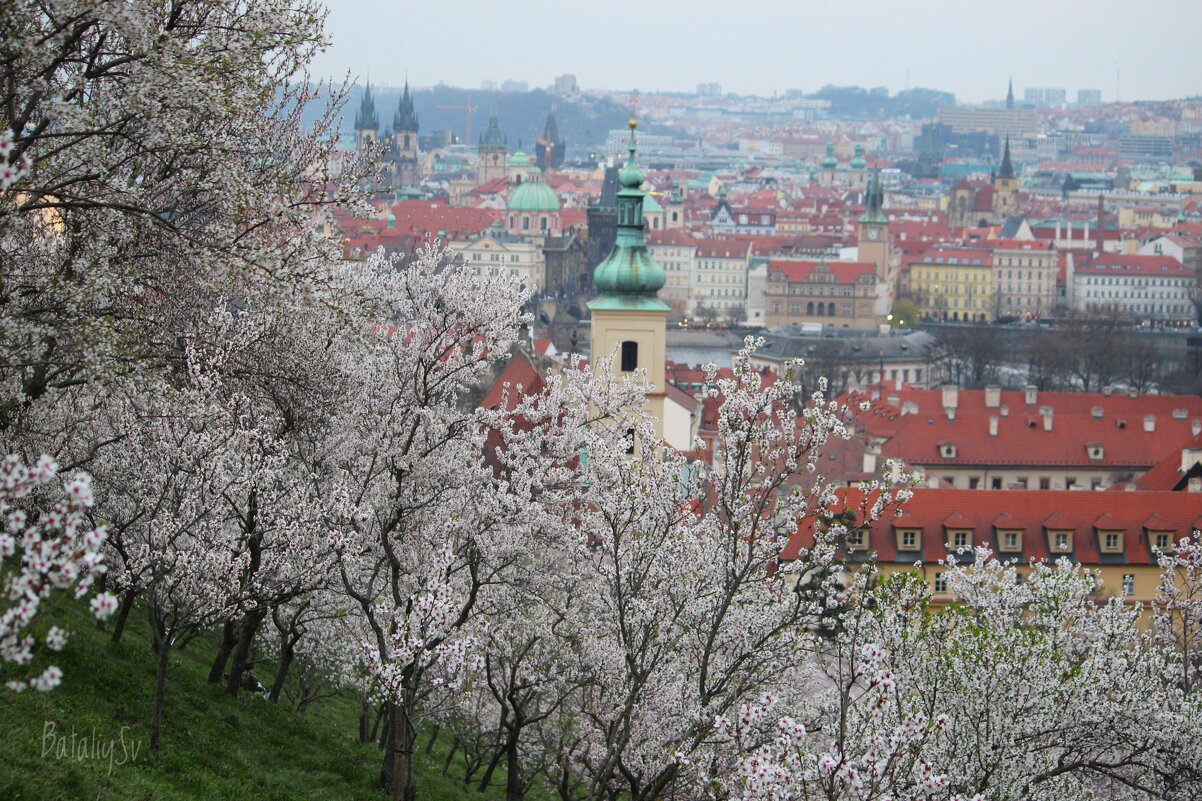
{"x":830,"y":162}
{"x":857,"y":162}
{"x":651,"y":205}
{"x":533,"y":196}
{"x":519,"y":159}
{"x":628,"y":277}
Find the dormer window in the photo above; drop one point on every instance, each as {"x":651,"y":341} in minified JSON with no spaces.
{"x":1010,"y":541}
{"x":1110,"y":541}
{"x":909,"y":539}
{"x":1060,"y":541}
{"x":856,"y":539}
{"x":948,"y":450}
{"x":958,"y":539}
{"x":1095,"y":452}
{"x":1163,"y":540}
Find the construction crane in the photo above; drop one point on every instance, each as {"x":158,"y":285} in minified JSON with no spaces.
{"x":469,"y":108}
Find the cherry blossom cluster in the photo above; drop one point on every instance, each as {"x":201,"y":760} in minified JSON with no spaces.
{"x":46,"y":544}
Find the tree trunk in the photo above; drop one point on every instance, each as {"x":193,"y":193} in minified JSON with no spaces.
{"x":446,"y":765}
{"x":486,"y":779}
{"x":127,"y":603}
{"x":388,"y":746}
{"x":364,"y":731}
{"x":228,"y":640}
{"x":246,"y":639}
{"x":401,"y":741}
{"x":383,"y":736}
{"x":433,"y":739}
{"x":160,"y":693}
{"x":287,"y":652}
{"x":514,"y":788}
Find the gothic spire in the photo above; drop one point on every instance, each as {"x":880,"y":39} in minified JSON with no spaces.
{"x":1010,"y":94}
{"x":405,"y":118}
{"x":366,"y":119}
{"x":1007,"y":169}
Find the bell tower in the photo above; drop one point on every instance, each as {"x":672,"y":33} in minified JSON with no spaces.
{"x":1005,"y":187}
{"x":404,"y":125}
{"x":629,"y":320}
{"x":367,"y":122}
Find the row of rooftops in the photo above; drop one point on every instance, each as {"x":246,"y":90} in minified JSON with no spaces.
{"x":1048,"y":524}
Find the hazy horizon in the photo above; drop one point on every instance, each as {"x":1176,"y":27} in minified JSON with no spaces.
{"x":771,"y":46}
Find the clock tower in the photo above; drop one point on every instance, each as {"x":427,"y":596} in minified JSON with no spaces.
{"x":873,"y":230}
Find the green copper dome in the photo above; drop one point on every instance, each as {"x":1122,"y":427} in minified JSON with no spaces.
{"x":830,"y":162}
{"x":519,"y":159}
{"x":858,"y":163}
{"x":533,"y":196}
{"x":628,"y":277}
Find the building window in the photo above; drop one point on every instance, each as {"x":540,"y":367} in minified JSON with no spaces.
{"x":630,"y":356}
{"x":959,"y":539}
{"x":909,"y":540}
{"x":1112,"y":541}
{"x":995,"y":483}
{"x":1061,"y":540}
{"x":630,"y":440}
{"x":940,"y":582}
{"x":1128,"y":585}
{"x":1164,"y":541}
{"x":1045,"y":483}
{"x":525,"y":223}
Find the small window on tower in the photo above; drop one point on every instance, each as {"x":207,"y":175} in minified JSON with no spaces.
{"x":630,"y":356}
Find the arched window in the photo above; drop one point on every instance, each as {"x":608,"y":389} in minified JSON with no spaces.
{"x":525,"y":223}
{"x":406,"y":141}
{"x":810,"y":307}
{"x":630,"y":356}
{"x":542,"y":223}
{"x":830,"y":309}
{"x":821,"y":309}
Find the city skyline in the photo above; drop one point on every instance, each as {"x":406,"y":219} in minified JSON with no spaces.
{"x":958,"y":48}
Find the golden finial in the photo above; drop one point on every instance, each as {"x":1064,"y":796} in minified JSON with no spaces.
{"x":634,"y":105}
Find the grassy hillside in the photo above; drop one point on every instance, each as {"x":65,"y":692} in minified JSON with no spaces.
{"x":214,"y":747}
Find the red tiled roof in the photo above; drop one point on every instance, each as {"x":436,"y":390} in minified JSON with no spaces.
{"x":1021,"y":439}
{"x":1167,"y":474}
{"x":1121,"y":264}
{"x":1034,"y":512}
{"x":846,"y":272}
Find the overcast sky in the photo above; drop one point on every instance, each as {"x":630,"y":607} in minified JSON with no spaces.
{"x":762,"y":46}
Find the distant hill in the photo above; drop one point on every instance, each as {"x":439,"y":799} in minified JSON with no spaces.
{"x":584,"y":121}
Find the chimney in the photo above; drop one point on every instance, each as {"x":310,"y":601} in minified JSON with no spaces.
{"x":951,"y":399}
{"x":1005,"y":411}
{"x":1032,"y":395}
{"x":1097,"y":412}
{"x":1149,"y":423}
{"x":1194,"y":485}
{"x":1046,"y":413}
{"x":1189,"y":458}
{"x":1106,"y":390}
{"x":1195,"y":427}
{"x":1131,"y":393}
{"x":993,"y":425}
{"x":993,"y":396}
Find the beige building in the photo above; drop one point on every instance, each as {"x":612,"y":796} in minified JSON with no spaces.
{"x":838,"y":293}
{"x":1024,"y":278}
{"x":495,"y":251}
{"x":719,"y":280}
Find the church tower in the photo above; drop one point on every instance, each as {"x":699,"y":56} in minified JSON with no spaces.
{"x":404,"y":126}
{"x":367,"y":123}
{"x":830,"y":166}
{"x":491,"y":152}
{"x":873,"y":230}
{"x":1005,"y":187}
{"x":551,"y":147}
{"x":629,"y":319}
{"x":1010,"y":95}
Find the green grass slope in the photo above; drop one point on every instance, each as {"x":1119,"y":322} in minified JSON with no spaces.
{"x":214,"y":747}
